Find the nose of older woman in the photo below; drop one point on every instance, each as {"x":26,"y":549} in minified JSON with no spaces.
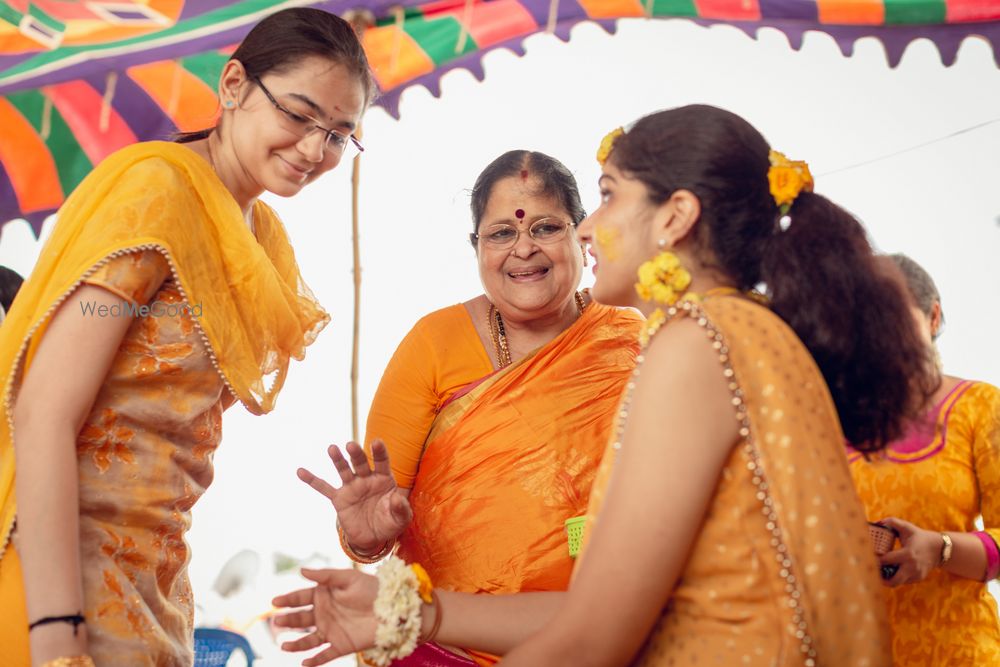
{"x":525,"y":246}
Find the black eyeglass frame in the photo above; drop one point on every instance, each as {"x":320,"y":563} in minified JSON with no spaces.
{"x":316,"y":126}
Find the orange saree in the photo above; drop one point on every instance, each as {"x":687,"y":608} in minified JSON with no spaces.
{"x":506,"y":463}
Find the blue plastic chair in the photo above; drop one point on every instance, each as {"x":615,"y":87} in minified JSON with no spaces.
{"x":212,"y":647}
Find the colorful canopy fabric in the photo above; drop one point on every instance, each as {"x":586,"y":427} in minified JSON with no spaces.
{"x":78,"y":80}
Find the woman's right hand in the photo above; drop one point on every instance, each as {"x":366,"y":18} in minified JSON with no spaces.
{"x":337,"y":614}
{"x":371,"y":508}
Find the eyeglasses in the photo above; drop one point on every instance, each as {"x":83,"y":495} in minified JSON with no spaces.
{"x":302,"y":126}
{"x":543,"y":231}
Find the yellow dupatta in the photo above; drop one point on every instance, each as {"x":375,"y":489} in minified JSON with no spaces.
{"x":783,"y":542}
{"x":256,"y":311}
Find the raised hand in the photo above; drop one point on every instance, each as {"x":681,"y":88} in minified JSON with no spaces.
{"x":371,"y":509}
{"x":337,"y":614}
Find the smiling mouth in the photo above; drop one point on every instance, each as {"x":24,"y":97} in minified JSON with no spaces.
{"x":297,"y":169}
{"x":528,"y":274}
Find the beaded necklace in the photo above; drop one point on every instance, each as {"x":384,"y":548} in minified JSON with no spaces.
{"x":690,"y":306}
{"x":499,"y":334}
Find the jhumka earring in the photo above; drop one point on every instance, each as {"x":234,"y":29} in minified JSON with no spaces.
{"x":662,"y":279}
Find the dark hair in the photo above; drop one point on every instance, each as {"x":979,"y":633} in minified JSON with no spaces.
{"x":10,"y":283}
{"x":920,"y":284}
{"x":555,"y":180}
{"x":821,"y":274}
{"x":284,"y":38}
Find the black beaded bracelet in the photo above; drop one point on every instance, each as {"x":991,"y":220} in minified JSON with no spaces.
{"x":74,"y":619}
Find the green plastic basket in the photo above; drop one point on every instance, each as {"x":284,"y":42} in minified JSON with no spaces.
{"x":574,"y":534}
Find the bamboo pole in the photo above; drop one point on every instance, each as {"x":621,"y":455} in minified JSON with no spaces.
{"x":356,"y":338}
{"x":361,"y":21}
{"x":356,"y":247}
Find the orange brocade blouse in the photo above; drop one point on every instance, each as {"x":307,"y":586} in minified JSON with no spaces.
{"x":217,"y":313}
{"x":145,"y":458}
{"x":942,"y":476}
{"x":496,"y":471}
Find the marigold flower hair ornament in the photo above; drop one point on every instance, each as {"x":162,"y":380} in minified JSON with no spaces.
{"x":608,"y":144}
{"x":787,"y":179}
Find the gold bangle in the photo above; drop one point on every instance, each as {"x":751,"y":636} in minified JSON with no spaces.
{"x":71,"y":661}
{"x":384,"y":551}
{"x":437,"y":619}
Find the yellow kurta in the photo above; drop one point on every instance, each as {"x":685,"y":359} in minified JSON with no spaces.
{"x":153,"y":224}
{"x":782,"y":570}
{"x":942,"y":476}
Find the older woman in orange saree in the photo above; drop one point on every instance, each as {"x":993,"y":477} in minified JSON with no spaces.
{"x":522,"y":443}
{"x":494,"y":412}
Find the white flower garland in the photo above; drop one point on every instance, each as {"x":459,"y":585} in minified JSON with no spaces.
{"x":397,"y":610}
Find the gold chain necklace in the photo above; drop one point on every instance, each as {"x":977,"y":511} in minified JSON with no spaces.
{"x":499,"y":334}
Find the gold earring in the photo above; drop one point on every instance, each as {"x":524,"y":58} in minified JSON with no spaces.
{"x":662,"y":279}
{"x":583,"y":251}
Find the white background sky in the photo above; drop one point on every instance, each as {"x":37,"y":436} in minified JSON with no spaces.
{"x":940,"y":204}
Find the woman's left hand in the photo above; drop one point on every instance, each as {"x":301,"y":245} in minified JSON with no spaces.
{"x":338,"y":613}
{"x":920,"y":553}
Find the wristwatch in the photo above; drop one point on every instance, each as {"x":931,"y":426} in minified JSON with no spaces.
{"x":945,"y":548}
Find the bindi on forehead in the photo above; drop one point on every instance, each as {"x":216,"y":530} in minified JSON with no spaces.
{"x":524,"y":174}
{"x":519,"y":214}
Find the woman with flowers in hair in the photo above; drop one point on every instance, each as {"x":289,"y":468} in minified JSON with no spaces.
{"x":930,"y":486}
{"x":757,"y":552}
{"x":723,"y":527}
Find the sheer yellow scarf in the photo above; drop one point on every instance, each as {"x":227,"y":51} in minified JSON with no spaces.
{"x":256,"y":311}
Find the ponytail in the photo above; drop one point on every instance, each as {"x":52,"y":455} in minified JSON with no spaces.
{"x":851,"y":312}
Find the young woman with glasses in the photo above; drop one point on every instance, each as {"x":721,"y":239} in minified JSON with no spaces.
{"x":166,"y":293}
